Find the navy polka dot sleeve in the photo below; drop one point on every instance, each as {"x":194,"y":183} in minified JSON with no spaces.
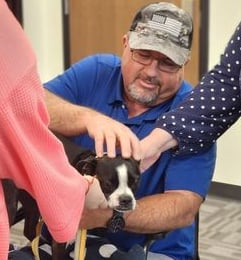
{"x":212,"y":107}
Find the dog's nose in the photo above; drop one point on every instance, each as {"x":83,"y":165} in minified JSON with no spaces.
{"x":125,"y":201}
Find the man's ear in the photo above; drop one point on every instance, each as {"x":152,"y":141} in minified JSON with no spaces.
{"x":187,"y":61}
{"x":125,"y":40}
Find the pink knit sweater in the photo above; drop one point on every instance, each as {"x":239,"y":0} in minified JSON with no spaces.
{"x":30,"y":155}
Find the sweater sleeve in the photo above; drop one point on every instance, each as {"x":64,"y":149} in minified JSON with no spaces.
{"x":212,"y":107}
{"x":30,"y":154}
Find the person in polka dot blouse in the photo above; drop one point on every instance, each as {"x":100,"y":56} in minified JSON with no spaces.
{"x":212,"y":108}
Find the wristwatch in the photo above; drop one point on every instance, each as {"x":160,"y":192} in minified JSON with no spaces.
{"x":116,"y":222}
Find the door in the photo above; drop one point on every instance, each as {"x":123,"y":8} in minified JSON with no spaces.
{"x":98,"y":26}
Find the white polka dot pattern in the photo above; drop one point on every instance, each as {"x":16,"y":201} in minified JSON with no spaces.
{"x":212,"y":107}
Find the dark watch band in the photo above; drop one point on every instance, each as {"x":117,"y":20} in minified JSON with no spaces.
{"x":116,"y":222}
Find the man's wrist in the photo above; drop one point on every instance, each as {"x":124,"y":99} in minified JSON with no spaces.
{"x":116,"y":223}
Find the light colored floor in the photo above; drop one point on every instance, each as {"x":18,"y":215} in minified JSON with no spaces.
{"x":219,"y":231}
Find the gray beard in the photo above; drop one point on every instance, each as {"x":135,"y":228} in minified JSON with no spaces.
{"x":147,"y":100}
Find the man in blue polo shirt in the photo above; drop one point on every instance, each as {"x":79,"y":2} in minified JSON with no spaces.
{"x":135,"y":90}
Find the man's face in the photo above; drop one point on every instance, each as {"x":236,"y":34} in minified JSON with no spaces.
{"x":150,"y":78}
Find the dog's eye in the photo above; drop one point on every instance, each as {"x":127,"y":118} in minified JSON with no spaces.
{"x":107,"y":187}
{"x":133,"y":183}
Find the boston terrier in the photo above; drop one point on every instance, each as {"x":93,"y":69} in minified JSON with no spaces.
{"x":118,"y":178}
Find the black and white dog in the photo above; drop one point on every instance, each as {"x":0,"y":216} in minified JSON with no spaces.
{"x":118,"y":178}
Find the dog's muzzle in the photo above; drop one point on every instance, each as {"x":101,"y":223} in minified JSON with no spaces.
{"x":122,"y":198}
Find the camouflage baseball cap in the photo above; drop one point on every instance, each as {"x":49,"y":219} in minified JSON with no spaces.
{"x":165,"y":28}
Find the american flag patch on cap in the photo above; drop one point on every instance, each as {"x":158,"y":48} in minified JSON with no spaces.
{"x":163,"y":23}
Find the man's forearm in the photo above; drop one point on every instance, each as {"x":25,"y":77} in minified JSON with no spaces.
{"x":65,"y":118}
{"x":163,"y":212}
{"x":153,"y":214}
{"x":72,"y":120}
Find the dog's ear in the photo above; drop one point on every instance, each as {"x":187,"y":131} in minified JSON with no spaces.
{"x":86,"y":164}
{"x":81,"y":159}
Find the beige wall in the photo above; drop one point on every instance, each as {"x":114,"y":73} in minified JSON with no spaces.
{"x":224,"y":16}
{"x":42,"y":23}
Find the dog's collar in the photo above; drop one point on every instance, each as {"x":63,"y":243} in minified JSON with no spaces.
{"x":116,"y":222}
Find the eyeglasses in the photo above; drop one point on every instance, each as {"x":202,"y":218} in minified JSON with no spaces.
{"x":144,"y":57}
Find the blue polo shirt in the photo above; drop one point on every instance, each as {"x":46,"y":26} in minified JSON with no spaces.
{"x":96,"y":82}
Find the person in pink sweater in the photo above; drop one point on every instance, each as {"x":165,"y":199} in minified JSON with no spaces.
{"x":31,"y":155}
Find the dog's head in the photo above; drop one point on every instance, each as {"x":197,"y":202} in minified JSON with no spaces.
{"x":118,"y":177}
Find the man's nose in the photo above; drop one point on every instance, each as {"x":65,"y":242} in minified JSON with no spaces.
{"x":152,"y":68}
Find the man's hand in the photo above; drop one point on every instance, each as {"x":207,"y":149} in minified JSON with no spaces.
{"x":72,"y":120}
{"x":107,"y":131}
{"x":95,"y":198}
